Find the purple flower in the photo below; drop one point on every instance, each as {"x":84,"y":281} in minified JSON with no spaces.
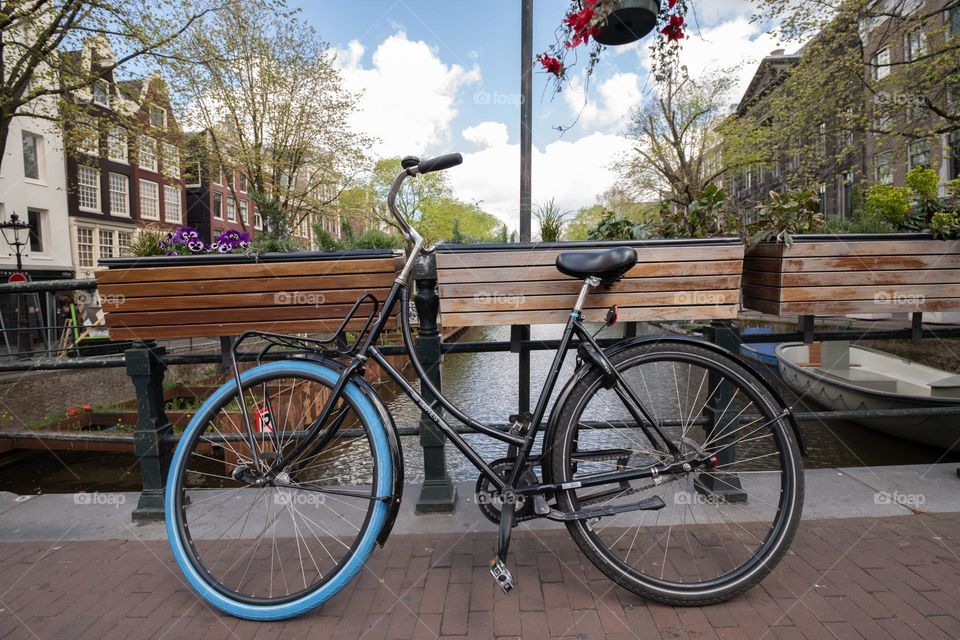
{"x":184,"y":235}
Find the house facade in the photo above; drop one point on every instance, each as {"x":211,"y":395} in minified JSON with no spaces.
{"x":122,"y":159}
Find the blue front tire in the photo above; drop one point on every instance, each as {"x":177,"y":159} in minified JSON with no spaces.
{"x":229,"y":533}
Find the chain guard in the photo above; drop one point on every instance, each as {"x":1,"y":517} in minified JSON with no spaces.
{"x":488,"y":498}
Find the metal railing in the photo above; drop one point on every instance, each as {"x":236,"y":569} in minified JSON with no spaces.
{"x":153,"y":437}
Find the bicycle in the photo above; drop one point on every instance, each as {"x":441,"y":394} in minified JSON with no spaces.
{"x":290,"y":473}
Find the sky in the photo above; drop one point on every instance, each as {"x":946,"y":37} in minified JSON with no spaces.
{"x":438,"y":76}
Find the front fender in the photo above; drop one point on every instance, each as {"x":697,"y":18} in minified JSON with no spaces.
{"x":676,"y":339}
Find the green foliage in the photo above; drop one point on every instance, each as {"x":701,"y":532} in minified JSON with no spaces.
{"x":887,"y":202}
{"x":613,"y":226}
{"x":785,"y":215}
{"x":148,"y":243}
{"x":923,"y":182}
{"x":945,"y":224}
{"x":277,"y":233}
{"x":440,"y":215}
{"x":705,"y":217}
{"x":503,"y":236}
{"x":376,"y":239}
{"x":324,"y":239}
{"x":858,"y":223}
{"x":552,"y":220}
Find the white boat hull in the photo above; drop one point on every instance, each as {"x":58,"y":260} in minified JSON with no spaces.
{"x":810,"y":383}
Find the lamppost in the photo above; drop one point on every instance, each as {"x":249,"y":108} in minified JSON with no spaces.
{"x":16,"y":233}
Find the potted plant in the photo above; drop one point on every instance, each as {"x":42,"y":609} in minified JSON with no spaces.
{"x":225,"y":289}
{"x":792,"y":268}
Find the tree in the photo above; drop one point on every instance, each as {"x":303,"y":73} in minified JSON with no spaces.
{"x":677,"y":133}
{"x":33,"y":33}
{"x":413,"y":195}
{"x":273,"y":104}
{"x":450,"y":219}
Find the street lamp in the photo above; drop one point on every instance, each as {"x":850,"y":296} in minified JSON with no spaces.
{"x":17,"y":234}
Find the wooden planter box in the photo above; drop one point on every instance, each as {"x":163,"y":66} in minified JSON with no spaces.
{"x":213,"y":295}
{"x":498,"y":284}
{"x":852,"y":274}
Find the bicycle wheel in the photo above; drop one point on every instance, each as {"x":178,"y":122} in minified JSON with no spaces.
{"x":724,"y":526}
{"x":273,"y":549}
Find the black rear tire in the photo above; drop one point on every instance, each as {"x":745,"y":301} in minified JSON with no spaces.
{"x":756,"y":451}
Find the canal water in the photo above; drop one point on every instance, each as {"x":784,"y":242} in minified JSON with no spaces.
{"x":485,"y":386}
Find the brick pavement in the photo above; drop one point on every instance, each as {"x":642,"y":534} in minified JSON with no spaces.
{"x":895,"y":577}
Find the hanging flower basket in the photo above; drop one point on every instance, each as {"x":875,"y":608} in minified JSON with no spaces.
{"x":632,"y":20}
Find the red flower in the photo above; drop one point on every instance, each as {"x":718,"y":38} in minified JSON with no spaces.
{"x":86,"y":406}
{"x":579,"y":24}
{"x":72,"y":411}
{"x":550,"y":64}
{"x":672,"y":4}
{"x":674,"y":29}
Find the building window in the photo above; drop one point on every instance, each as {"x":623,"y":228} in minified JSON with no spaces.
{"x":101,"y":93}
{"x":88,"y":188}
{"x":914,"y":45}
{"x":158,"y":117}
{"x":231,"y":210}
{"x":883,"y":167}
{"x":881,"y":64}
{"x":32,"y":153}
{"x":243,"y":211}
{"x":822,"y":192}
{"x":85,"y":247}
{"x":257,"y":219}
{"x":171,"y":160}
{"x":106,"y":243}
{"x":953,"y":20}
{"x":822,"y":139}
{"x":124,"y":239}
{"x":88,"y":136}
{"x":242,"y":182}
{"x":117,"y":145}
{"x":149,"y":200}
{"x":171,"y":204}
{"x":148,"y":153}
{"x":846,"y":204}
{"x":217,"y":206}
{"x":35,"y":220}
{"x":919,"y":154}
{"x":119,"y":195}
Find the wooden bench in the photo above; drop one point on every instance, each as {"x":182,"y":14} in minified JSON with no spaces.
{"x":225,"y":295}
{"x":824,"y":275}
{"x":516,"y":284}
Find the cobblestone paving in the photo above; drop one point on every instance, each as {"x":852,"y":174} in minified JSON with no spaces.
{"x":895,"y":577}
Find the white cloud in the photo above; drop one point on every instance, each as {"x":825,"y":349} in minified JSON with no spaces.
{"x":736,"y":43}
{"x":487,"y":134}
{"x":408,"y":94}
{"x":608,"y":103}
{"x":574,"y":172}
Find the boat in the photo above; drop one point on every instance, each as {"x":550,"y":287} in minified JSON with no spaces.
{"x":761,"y":353}
{"x":842,"y":377}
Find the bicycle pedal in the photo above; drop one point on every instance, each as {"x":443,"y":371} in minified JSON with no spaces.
{"x":501,"y":574}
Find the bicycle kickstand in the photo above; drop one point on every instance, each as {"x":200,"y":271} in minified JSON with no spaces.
{"x":498,"y":565}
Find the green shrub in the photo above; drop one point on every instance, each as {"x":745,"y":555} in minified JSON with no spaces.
{"x":923,"y":182}
{"x":148,"y":242}
{"x":889,"y":203}
{"x":785,"y":215}
{"x":613,"y":226}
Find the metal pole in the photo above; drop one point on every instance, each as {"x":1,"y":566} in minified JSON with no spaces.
{"x":151,"y":438}
{"x":438,"y":493}
{"x":526,"y":119}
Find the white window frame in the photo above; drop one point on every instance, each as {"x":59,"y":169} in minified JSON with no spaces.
{"x":172,"y":194}
{"x":101,"y":232}
{"x":915,"y":45}
{"x":118,"y":145}
{"x":881,"y":64}
{"x":145,"y":187}
{"x":171,"y":160}
{"x":83,"y":170}
{"x":38,"y":152}
{"x":214,"y":210}
{"x":106,"y":92}
{"x":244,"y":211}
{"x":888,"y":179}
{"x":257,"y":219}
{"x":147,"y":157}
{"x":150,"y":111}
{"x":92,"y":244}
{"x":89,"y":144}
{"x":231,"y":210}
{"x":911,"y":153}
{"x":123,"y":211}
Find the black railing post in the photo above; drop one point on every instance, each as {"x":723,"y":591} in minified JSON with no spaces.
{"x":438,"y":493}
{"x":725,"y":486}
{"x":150,"y":438}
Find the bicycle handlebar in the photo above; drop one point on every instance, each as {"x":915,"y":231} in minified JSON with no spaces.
{"x":412,"y":167}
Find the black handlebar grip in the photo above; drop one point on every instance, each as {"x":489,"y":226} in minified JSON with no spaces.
{"x":440,"y":163}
